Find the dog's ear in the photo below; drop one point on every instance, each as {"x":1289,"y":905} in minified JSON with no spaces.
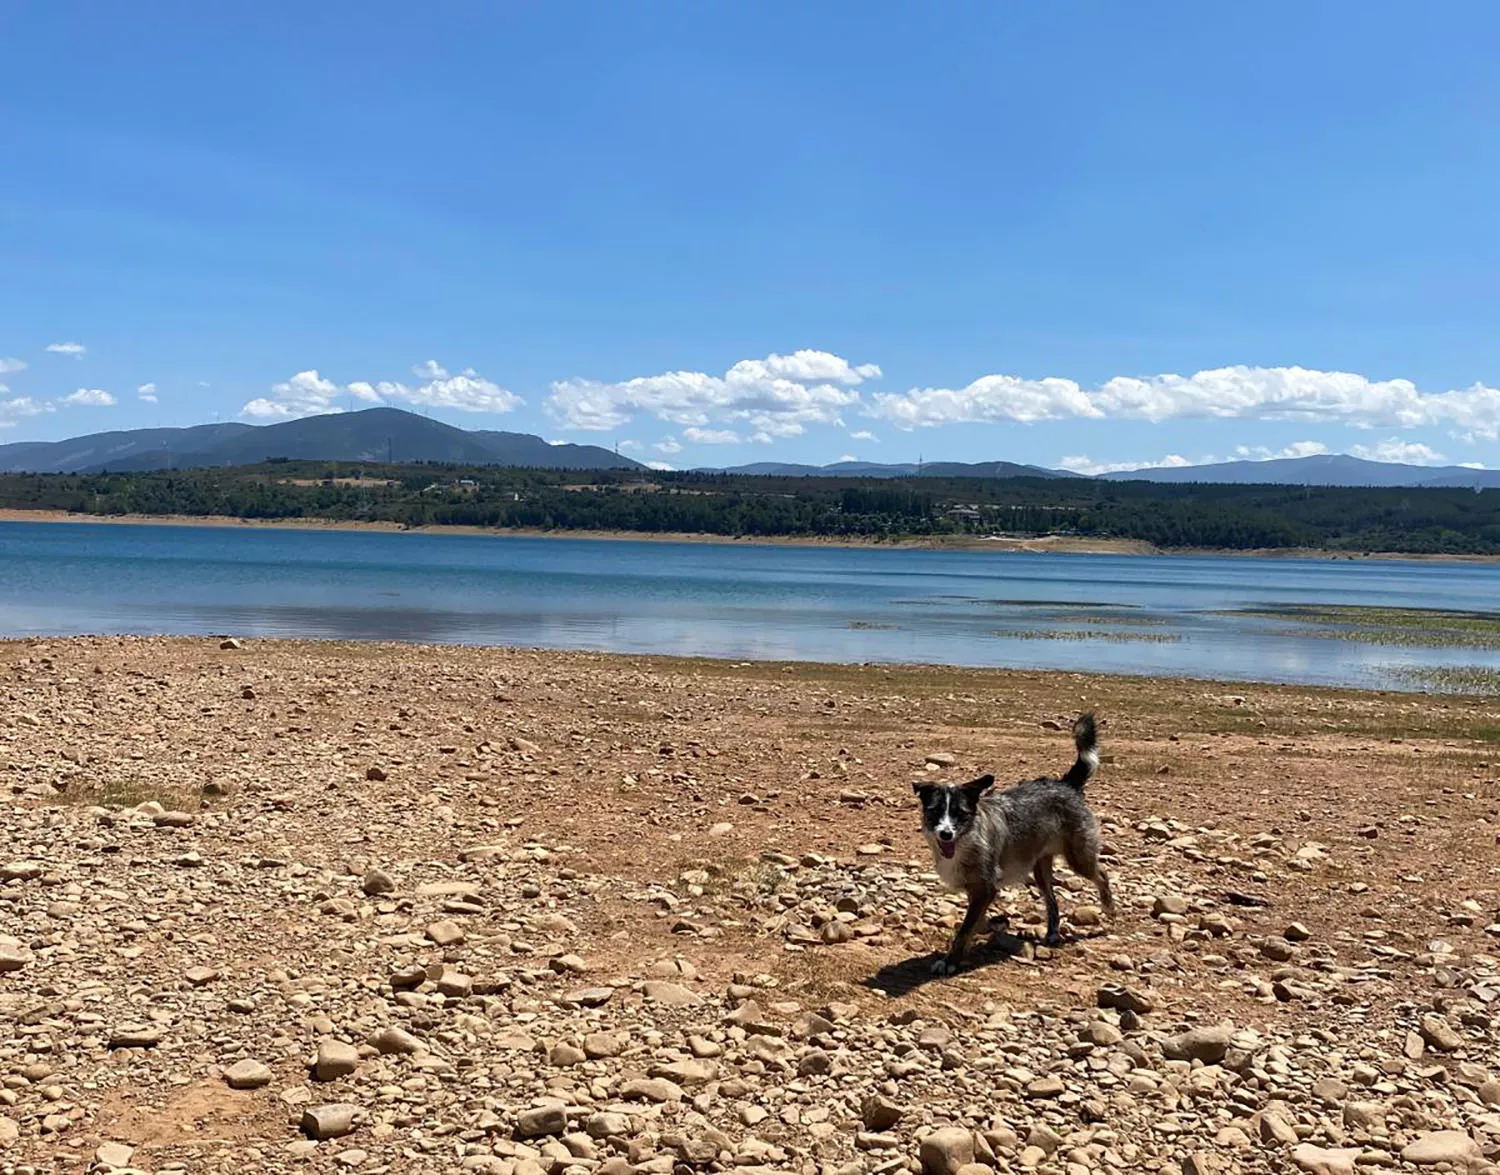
{"x":979,"y":786}
{"x":922,"y":789}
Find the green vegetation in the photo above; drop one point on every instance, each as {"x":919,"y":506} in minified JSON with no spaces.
{"x":1427,"y":627}
{"x":1479,"y":680}
{"x":1418,"y":521}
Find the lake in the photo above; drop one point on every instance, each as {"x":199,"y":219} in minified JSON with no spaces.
{"x":1178,"y":616}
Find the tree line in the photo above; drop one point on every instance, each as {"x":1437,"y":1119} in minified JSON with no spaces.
{"x":1234,"y":517}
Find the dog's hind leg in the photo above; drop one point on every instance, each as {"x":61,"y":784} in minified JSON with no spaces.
{"x":1083,"y":859}
{"x":1042,"y":871}
{"x":979,"y":901}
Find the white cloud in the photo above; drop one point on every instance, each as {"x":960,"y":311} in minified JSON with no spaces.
{"x":778,"y":396}
{"x":147,"y":392}
{"x":1266,"y":453}
{"x":668,"y":445}
{"x":67,"y":348}
{"x":631,"y":446}
{"x":846,"y":457}
{"x":21,"y":406}
{"x":712,"y":436}
{"x":430,"y":369}
{"x":1225,"y":393}
{"x":1399,"y":451}
{"x":308,"y":393}
{"x":659,"y":466}
{"x":8,"y":366}
{"x":1091,"y":468}
{"x":864,"y":434}
{"x":89,"y":398}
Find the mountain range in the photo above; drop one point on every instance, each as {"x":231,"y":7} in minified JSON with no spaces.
{"x":393,"y":435}
{"x":375,"y":434}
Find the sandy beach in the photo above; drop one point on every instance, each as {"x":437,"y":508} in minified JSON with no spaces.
{"x":392,"y":908}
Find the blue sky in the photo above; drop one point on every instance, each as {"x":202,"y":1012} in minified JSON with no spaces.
{"x":1098,"y":234}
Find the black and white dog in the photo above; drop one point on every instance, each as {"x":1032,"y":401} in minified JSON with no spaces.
{"x":984,"y":841}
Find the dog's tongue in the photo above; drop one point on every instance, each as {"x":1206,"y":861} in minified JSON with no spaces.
{"x":947,"y":847}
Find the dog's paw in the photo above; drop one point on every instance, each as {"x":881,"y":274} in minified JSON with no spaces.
{"x":945,"y":967}
{"x":1052,"y":940}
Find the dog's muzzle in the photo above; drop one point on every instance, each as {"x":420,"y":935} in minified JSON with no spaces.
{"x":947,"y":845}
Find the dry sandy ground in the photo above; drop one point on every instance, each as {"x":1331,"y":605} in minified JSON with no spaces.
{"x":486,"y":910}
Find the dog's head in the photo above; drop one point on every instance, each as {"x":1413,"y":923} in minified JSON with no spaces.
{"x":949,"y":809}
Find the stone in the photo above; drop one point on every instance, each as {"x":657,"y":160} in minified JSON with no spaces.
{"x":879,"y":1113}
{"x":135,"y":1037}
{"x":10,"y":1132}
{"x":946,"y":1151}
{"x":335,"y":1060}
{"x":1199,"y":1044}
{"x":1274,"y":1128}
{"x":651,"y":1089}
{"x":13,"y":958}
{"x":397,"y":1041}
{"x":600,"y":1046}
{"x":1364,"y":1115}
{"x":565,"y":1056}
{"x":942,"y":759}
{"x":173,"y":819}
{"x":376,"y":774}
{"x":1171,"y":903}
{"x":1125,"y":999}
{"x":607,"y":1124}
{"x":113,"y":1155}
{"x":1439,"y":1034}
{"x":446,"y":934}
{"x":542,"y":1122}
{"x":331,"y":1121}
{"x":673,"y":995}
{"x":1324,"y":1161}
{"x":1296,"y":932}
{"x":229,"y":644}
{"x":247,"y":1074}
{"x":1442,"y":1146}
{"x":589,"y":997}
{"x":200,"y":976}
{"x":1046,"y":1087}
{"x":377,"y":882}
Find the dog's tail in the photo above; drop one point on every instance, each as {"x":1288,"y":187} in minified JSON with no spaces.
{"x":1086,"y":739}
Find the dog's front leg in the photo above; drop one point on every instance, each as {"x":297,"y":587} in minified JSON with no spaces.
{"x":979,"y":901}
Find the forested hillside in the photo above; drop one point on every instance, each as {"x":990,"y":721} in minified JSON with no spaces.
{"x":1237,"y":517}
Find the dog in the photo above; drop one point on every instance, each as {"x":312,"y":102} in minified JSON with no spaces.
{"x":984,"y":841}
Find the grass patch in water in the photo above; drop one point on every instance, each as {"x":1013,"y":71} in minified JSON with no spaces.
{"x":1424,"y":627}
{"x":1114,"y":636}
{"x":1450,"y":679}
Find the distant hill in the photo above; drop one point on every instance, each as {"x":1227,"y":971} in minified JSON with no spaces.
{"x":1329,"y":469}
{"x":872,"y":469}
{"x":375,"y":434}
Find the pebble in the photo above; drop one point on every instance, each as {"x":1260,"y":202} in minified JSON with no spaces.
{"x":247,"y":1074}
{"x":330,"y":1121}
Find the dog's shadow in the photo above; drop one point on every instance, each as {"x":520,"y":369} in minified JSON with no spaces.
{"x":905,"y":977}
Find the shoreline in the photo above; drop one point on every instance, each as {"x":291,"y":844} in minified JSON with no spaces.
{"x":999,"y":544}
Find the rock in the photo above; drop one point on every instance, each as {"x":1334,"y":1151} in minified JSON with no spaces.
{"x":539,"y":1123}
{"x":1321,"y":1161}
{"x":607,"y":1125}
{"x":397,"y":1041}
{"x":814,"y":1063}
{"x":879,"y":1113}
{"x":230,"y":643}
{"x":455,"y":984}
{"x":13,"y":958}
{"x":1442,"y":1146}
{"x":200,"y":976}
{"x":377,"y":882}
{"x":1046,"y":1087}
{"x":565,"y":1056}
{"x":10,"y":1133}
{"x":600,"y":1046}
{"x":1489,"y":1093}
{"x":589,"y":997}
{"x":335,"y":1060}
{"x":1441,"y":1035}
{"x":1169,"y":904}
{"x":687,"y":1074}
{"x":1199,"y":1044}
{"x":113,"y":1155}
{"x":1296,"y":932}
{"x":135,"y":1037}
{"x":942,"y":759}
{"x":651,"y":1089}
{"x":1274,"y":1128}
{"x":1278,"y":950}
{"x":946,"y":1151}
{"x":332,"y":1121}
{"x":673,"y":995}
{"x":247,"y":1075}
{"x":173,"y":820}
{"x":523,"y":746}
{"x":1364,"y":1115}
{"x":446,"y":934}
{"x":1125,"y":999}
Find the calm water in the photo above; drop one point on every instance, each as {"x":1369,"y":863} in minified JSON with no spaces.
{"x":1078,"y":612}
